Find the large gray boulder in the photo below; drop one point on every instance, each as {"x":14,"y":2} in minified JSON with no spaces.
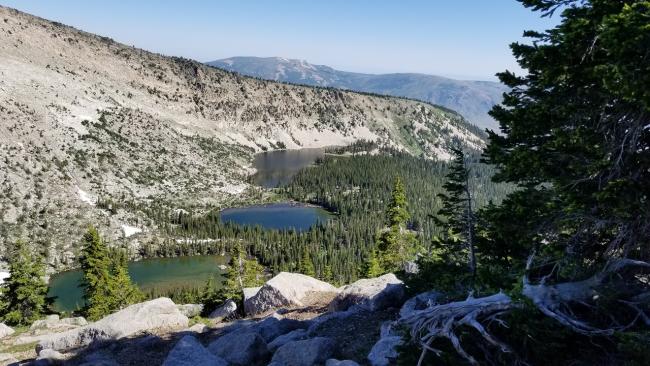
{"x":6,"y":330}
{"x":189,"y":352}
{"x":419,"y":302}
{"x":49,"y":357}
{"x":222,"y":312}
{"x":190,"y":310}
{"x":384,"y":352}
{"x":285,"y":289}
{"x":240,"y":348}
{"x":335,"y":362}
{"x":271,"y":327}
{"x":294,"y":335}
{"x":305,"y":352}
{"x":250,"y":292}
{"x":160,"y":313}
{"x":370,"y":294}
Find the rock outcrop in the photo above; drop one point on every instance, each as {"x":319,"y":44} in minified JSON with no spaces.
{"x":335,"y":362}
{"x":418,"y":302}
{"x":285,"y":289}
{"x":371,"y":294}
{"x":190,"y":352}
{"x":5,"y":330}
{"x":240,"y":348}
{"x":306,"y":352}
{"x":160,"y":313}
{"x":294,"y":335}
{"x":222,"y":312}
{"x":384,"y":352}
{"x":54,"y":323}
{"x":190,"y":310}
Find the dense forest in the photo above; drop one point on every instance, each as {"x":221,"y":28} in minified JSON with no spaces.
{"x":357,"y":188}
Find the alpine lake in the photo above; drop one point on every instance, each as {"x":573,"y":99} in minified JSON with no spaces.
{"x":160,"y":274}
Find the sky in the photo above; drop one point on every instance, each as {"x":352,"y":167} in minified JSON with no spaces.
{"x":465,"y":39}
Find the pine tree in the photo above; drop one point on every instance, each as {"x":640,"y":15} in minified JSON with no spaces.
{"x":122,"y":292}
{"x":211,"y":297}
{"x":24,"y":292}
{"x":371,"y":267}
{"x":397,"y":213}
{"x":96,"y":281}
{"x":327,"y":275}
{"x":306,"y":264}
{"x":457,"y":213}
{"x":241,"y":273}
{"x":396,"y":244}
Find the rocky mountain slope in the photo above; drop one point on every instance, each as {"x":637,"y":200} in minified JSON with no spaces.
{"x":93,"y":131}
{"x":472,"y":99}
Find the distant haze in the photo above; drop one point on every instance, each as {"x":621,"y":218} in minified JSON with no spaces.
{"x":463,"y":39}
{"x":472,"y":99}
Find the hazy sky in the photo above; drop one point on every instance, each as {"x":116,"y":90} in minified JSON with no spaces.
{"x":457,"y":38}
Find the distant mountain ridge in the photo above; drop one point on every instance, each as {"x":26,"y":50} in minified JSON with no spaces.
{"x":472,"y":99}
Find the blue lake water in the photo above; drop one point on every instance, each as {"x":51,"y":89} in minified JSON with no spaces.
{"x":156,"y":273}
{"x":277,"y":216}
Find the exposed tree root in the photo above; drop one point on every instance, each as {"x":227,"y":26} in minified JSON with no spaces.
{"x":442,"y":321}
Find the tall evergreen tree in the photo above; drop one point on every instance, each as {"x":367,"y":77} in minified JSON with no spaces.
{"x":23,"y":296}
{"x":242,"y":272}
{"x":457,"y":213}
{"x":371,"y":267}
{"x":306,"y":264}
{"x":122,"y":292}
{"x":396,"y":244}
{"x":397,"y":213}
{"x":96,"y":282}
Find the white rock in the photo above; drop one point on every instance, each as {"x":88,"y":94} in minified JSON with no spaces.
{"x":85,"y":197}
{"x":160,"y":313}
{"x":198,"y":328}
{"x":189,"y":352}
{"x":411,"y":267}
{"x":250,"y":292}
{"x":222,"y":312}
{"x":371,"y":294}
{"x":285,"y":289}
{"x":5,"y":330}
{"x":53,"y":322}
{"x":190,"y":310}
{"x":130,"y":230}
{"x":384,"y":352}
{"x":305,"y":352}
{"x":51,"y":356}
{"x":4,"y":276}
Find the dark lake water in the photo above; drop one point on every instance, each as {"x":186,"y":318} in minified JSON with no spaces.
{"x":277,"y":216}
{"x":159,"y":273}
{"x":278,"y":167}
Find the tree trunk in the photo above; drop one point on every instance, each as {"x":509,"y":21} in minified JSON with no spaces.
{"x":470,"y":228}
